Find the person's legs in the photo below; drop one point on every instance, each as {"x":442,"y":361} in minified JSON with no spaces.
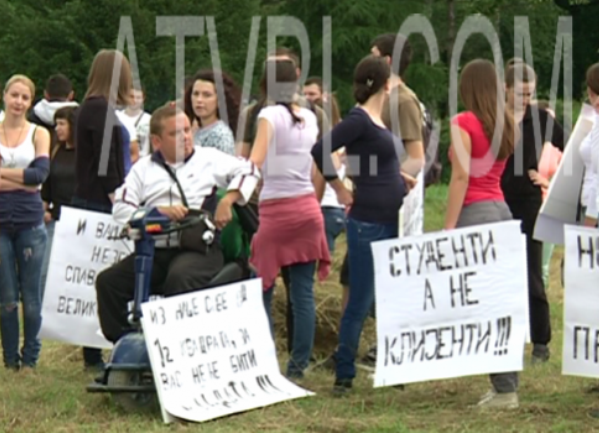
{"x":334,"y":223}
{"x":189,"y":271}
{"x":289,"y":309}
{"x":267,"y":299}
{"x":115,"y":287}
{"x":46,"y":263}
{"x":361,"y":294}
{"x":304,"y":316}
{"x":505,"y":385}
{"x":30,"y":248}
{"x":540,"y":325}
{"x":9,"y":302}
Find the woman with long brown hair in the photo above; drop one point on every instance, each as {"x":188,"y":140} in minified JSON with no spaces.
{"x":101,"y":145}
{"x":478,"y":156}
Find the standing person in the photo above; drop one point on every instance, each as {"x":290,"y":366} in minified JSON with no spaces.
{"x":95,"y":185}
{"x":475,"y":195}
{"x":59,"y":187}
{"x":140,"y":120}
{"x":374,"y":206}
{"x":291,"y":231}
{"x":524,"y":197}
{"x":57,"y":94}
{"x":24,"y":166}
{"x":247,"y":134}
{"x":202,"y":106}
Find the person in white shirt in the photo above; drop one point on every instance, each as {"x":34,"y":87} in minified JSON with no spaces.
{"x":199,"y":172}
{"x":138,"y":119}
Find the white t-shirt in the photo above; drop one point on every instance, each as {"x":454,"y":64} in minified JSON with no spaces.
{"x":287,"y":169}
{"x":141,"y":124}
{"x":129,"y":124}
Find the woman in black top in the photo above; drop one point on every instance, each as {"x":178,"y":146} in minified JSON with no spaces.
{"x":58,"y":191}
{"x":524,"y":196}
{"x":100,"y":168}
{"x":379,"y":190}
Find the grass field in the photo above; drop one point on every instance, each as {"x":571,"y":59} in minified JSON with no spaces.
{"x":54,"y":399}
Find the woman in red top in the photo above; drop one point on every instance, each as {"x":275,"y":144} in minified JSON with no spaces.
{"x":475,"y":195}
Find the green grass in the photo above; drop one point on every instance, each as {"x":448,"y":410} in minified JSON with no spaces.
{"x":54,"y":399}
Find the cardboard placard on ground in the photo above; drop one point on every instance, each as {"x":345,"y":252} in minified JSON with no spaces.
{"x":212,"y":353}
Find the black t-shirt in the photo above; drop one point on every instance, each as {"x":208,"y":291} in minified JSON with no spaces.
{"x":59,"y":188}
{"x":515,"y":182}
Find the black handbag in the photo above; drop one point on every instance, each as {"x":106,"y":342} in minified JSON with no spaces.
{"x":200,"y":236}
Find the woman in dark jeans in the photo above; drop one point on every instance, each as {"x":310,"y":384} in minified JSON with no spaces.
{"x":375,"y":203}
{"x":100,"y":158}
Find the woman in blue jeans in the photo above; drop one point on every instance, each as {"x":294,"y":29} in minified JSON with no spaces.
{"x":379,"y":190}
{"x":24,"y":165}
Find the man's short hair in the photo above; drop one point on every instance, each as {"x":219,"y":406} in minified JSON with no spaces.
{"x":161,"y":114}
{"x":284,"y":51}
{"x":386,"y":45}
{"x":58,"y":86}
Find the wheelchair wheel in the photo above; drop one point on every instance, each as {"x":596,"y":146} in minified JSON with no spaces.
{"x":133,"y":401}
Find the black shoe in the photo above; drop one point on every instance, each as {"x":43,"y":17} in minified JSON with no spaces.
{"x":342,"y":387}
{"x":540,"y":354}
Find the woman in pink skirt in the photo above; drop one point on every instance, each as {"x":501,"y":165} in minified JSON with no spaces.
{"x":291,"y":232}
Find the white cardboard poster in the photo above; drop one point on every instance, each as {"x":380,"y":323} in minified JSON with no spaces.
{"x":560,"y":206}
{"x":451,"y":304}
{"x":581,"y":298}
{"x":212,"y":353}
{"x":411,"y":214}
{"x":80,"y":251}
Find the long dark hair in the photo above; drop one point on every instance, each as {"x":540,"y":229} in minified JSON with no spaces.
{"x":282,"y":88}
{"x":232,"y":96}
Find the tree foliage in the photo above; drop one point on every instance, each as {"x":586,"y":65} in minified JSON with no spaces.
{"x":42,"y":38}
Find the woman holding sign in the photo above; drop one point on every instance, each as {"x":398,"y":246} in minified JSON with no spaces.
{"x":475,"y":195}
{"x":24,"y":166}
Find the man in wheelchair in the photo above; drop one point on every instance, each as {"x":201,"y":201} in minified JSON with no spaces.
{"x":177,"y":179}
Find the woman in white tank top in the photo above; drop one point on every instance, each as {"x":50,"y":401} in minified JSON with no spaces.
{"x":24,"y":165}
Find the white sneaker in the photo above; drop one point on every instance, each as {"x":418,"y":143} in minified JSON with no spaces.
{"x":493,"y":400}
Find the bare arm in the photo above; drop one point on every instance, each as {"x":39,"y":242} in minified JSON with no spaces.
{"x":20,"y":176}
{"x":416,"y":160}
{"x":461,"y":148}
{"x":261,"y":143}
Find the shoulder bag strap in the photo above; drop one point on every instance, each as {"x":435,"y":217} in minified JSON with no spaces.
{"x":174,"y":177}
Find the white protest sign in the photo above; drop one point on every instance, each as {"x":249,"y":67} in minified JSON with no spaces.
{"x":451,"y":304}
{"x":80,"y":251}
{"x":212,"y":353}
{"x":560,"y":206}
{"x":411,"y":213}
{"x":581,"y":297}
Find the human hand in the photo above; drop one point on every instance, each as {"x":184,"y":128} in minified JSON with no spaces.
{"x":409,"y":180}
{"x":537,"y":179}
{"x":174,"y":213}
{"x":47,"y":217}
{"x":345,"y":197}
{"x":223,"y":214}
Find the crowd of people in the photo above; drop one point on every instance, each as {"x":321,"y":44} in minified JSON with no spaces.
{"x":309,"y":172}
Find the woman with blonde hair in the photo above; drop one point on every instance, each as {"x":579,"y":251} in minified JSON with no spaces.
{"x":24,"y":166}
